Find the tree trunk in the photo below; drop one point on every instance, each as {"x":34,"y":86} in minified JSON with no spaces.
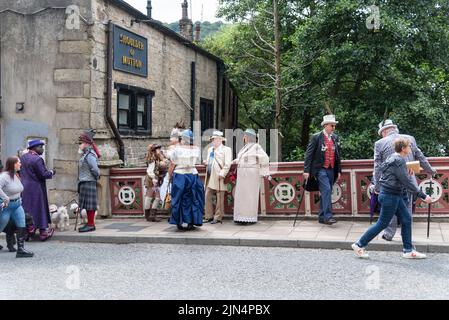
{"x":277,"y":46}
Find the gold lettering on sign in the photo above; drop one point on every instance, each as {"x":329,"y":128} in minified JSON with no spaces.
{"x":132,"y":62}
{"x":131,"y":42}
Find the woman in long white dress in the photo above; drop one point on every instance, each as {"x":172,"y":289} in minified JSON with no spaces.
{"x":252,"y":164}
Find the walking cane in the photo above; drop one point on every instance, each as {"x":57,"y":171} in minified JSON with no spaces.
{"x":428,"y":212}
{"x":300,"y":201}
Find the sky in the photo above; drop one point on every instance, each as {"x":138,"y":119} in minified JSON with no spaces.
{"x":171,"y":11}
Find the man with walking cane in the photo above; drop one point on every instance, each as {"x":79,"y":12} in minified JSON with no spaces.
{"x":383,"y":149}
{"x":218,"y":163}
{"x":323,"y":163}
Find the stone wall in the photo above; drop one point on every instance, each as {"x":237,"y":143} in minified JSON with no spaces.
{"x":169,"y":65}
{"x":60,"y":75}
{"x":46,"y":66}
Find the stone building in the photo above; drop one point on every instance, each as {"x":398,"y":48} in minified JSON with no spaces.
{"x":69,"y":65}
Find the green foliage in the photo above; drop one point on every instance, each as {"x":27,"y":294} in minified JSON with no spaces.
{"x":208,"y":29}
{"x":335,"y":60}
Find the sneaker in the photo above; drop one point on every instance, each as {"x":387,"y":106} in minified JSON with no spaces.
{"x":385,"y":238}
{"x":414,"y":255}
{"x":359,"y":252}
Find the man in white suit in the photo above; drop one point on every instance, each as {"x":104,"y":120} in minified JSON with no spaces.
{"x":218,"y":163}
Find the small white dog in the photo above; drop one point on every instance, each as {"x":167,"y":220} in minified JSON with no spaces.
{"x":83,"y":214}
{"x":60,"y":217}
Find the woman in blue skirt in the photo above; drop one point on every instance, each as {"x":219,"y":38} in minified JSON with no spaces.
{"x":187,"y":191}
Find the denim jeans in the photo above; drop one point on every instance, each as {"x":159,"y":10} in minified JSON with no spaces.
{"x":390,"y":231}
{"x":13,"y":211}
{"x":326,"y":181}
{"x":391,"y":205}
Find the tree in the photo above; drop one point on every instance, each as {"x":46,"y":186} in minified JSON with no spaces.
{"x":330,"y":57}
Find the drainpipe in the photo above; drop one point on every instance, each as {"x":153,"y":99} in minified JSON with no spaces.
{"x":192,"y":94}
{"x":218,"y":95}
{"x":111,"y":122}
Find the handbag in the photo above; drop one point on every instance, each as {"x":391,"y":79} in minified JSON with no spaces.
{"x":311,"y":184}
{"x":231,"y":177}
{"x":167,"y":200}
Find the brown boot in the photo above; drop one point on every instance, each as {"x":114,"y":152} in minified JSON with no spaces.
{"x":153,"y":217}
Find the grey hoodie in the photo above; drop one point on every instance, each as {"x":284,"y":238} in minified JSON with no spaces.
{"x":394,"y":177}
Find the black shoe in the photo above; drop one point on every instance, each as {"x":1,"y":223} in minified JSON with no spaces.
{"x":86,"y":228}
{"x":385,"y":238}
{"x":216,"y":221}
{"x":208,"y":220}
{"x":330,"y":221}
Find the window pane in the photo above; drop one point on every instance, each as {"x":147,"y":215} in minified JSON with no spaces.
{"x":123,"y":117}
{"x":123,"y":101}
{"x":140,"y":119}
{"x":140,"y":104}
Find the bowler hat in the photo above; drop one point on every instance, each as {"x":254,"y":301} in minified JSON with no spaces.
{"x":250,"y":132}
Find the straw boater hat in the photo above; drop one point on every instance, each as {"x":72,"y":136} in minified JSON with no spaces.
{"x":387,"y":124}
{"x":217,"y":134}
{"x":329,"y":119}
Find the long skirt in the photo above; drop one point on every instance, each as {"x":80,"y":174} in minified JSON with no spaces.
{"x":246,"y":196}
{"x":87,"y":195}
{"x":187,"y":200}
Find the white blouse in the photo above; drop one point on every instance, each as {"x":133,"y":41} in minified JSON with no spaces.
{"x":185,"y":158}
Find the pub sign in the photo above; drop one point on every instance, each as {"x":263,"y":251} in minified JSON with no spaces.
{"x":130,"y":52}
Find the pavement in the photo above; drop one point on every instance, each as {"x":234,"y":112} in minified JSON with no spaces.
{"x":103,"y":271}
{"x":266,"y":233}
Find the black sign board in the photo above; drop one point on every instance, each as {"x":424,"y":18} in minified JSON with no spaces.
{"x":130,"y":52}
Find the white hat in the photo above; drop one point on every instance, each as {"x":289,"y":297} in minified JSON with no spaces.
{"x":386,"y":125}
{"x":217,"y":134}
{"x":329,"y":119}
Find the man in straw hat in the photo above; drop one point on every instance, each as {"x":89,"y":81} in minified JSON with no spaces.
{"x":383,"y":149}
{"x":34,"y":175}
{"x":323,"y":161}
{"x":88,"y":174}
{"x":218,"y":163}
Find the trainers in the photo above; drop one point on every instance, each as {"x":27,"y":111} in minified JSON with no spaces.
{"x":414,"y":255}
{"x":359,"y":252}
